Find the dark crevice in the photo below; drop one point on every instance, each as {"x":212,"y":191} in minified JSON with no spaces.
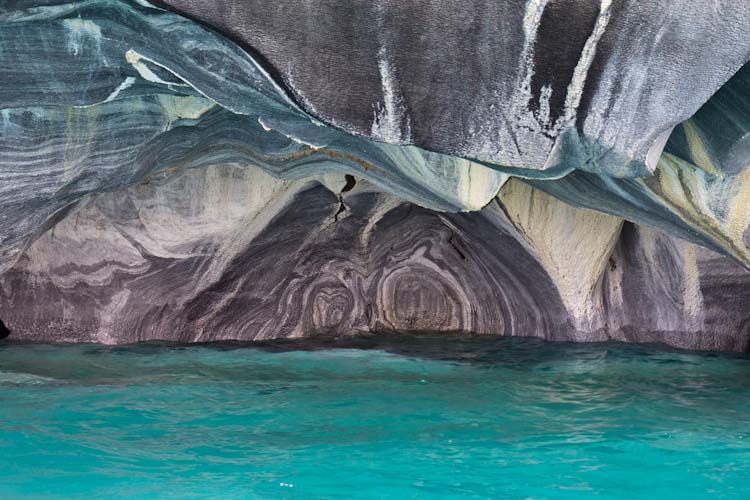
{"x":342,"y":208}
{"x":4,"y":331}
{"x":350,"y":183}
{"x":458,"y":251}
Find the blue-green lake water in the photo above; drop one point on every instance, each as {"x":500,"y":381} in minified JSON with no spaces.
{"x":376,"y":417}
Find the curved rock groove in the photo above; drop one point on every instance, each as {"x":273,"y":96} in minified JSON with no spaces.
{"x":216,"y":170}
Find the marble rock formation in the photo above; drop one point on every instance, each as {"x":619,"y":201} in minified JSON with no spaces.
{"x":199,"y":170}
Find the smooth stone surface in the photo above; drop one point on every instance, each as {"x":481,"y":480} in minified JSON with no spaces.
{"x":251,"y":170}
{"x":546,"y":86}
{"x":111,"y":106}
{"x":187,"y":258}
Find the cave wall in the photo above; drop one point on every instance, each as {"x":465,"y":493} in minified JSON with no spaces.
{"x":232,"y":253}
{"x":202,"y":170}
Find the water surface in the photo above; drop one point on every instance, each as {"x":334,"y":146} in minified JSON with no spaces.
{"x":376,"y":417}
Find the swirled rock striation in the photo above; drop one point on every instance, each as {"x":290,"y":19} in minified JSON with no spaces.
{"x":211,"y":170}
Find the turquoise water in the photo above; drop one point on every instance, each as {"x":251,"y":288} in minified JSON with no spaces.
{"x":378,"y":417}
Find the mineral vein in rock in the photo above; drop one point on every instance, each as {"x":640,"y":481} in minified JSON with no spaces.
{"x":216,"y":169}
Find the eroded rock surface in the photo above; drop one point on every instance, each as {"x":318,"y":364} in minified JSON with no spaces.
{"x":217,"y":169}
{"x":191,"y":258}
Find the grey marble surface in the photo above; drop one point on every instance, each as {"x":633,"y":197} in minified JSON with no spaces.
{"x":188,"y":258}
{"x":217,"y":169}
{"x":517,"y":83}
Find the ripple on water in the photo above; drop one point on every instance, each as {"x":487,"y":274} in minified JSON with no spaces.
{"x":377,"y":416}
